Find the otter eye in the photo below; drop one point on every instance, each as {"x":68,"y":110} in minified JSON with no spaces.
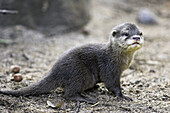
{"x":125,"y":34}
{"x":140,"y":34}
{"x":114,"y":33}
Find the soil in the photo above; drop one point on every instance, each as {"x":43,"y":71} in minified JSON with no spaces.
{"x":147,"y":80}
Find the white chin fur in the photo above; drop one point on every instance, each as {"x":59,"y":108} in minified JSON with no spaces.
{"x":128,"y":44}
{"x":134,"y":47}
{"x":129,"y":41}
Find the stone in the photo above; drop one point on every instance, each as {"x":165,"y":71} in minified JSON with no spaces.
{"x":145,"y":16}
{"x":46,"y":15}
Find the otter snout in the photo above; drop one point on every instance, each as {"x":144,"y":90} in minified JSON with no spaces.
{"x":135,"y":42}
{"x":137,"y":38}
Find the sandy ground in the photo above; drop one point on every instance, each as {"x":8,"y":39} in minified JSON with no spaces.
{"x":147,"y":80}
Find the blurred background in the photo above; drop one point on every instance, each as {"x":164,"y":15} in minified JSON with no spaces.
{"x":34,"y":33}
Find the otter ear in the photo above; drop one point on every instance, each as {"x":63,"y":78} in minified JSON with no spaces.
{"x":114,"y":33}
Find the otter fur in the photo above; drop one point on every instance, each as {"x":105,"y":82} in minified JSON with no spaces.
{"x":81,"y":68}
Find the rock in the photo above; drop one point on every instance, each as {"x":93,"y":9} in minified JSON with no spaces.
{"x":145,"y":16}
{"x":46,"y":15}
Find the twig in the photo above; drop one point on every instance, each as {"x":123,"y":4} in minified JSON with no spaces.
{"x":78,"y":107}
{"x":95,"y":104}
{"x":25,"y":56}
{"x":129,"y":73}
{"x":4,"y":41}
{"x":8,"y":11}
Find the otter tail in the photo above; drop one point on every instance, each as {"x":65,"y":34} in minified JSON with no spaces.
{"x":45,"y":85}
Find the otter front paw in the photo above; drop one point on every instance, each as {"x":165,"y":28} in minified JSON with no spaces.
{"x":120,"y":95}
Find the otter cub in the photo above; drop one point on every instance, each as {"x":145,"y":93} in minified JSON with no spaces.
{"x":81,"y":68}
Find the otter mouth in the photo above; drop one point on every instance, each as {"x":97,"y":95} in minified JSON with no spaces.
{"x":134,"y":46}
{"x":136,"y":43}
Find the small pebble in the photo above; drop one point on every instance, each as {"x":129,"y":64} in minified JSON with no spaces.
{"x":137,"y":91}
{"x":152,"y":71}
{"x":137,"y":81}
{"x":150,"y":107}
{"x":147,"y":85}
{"x":140,"y":85}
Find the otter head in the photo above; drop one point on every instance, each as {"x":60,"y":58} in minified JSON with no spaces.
{"x":127,"y":37}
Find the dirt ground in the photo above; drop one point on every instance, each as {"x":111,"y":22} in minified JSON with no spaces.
{"x":147,"y":80}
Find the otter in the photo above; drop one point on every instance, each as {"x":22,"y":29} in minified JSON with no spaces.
{"x":81,"y":68}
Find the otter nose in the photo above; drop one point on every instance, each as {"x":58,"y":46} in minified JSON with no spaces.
{"x":136,"y":38}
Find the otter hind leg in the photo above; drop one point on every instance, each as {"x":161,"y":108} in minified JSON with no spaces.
{"x":73,"y":92}
{"x":79,"y":97}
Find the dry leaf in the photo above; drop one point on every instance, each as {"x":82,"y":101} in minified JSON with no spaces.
{"x":55,"y":106}
{"x":50,"y":104}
